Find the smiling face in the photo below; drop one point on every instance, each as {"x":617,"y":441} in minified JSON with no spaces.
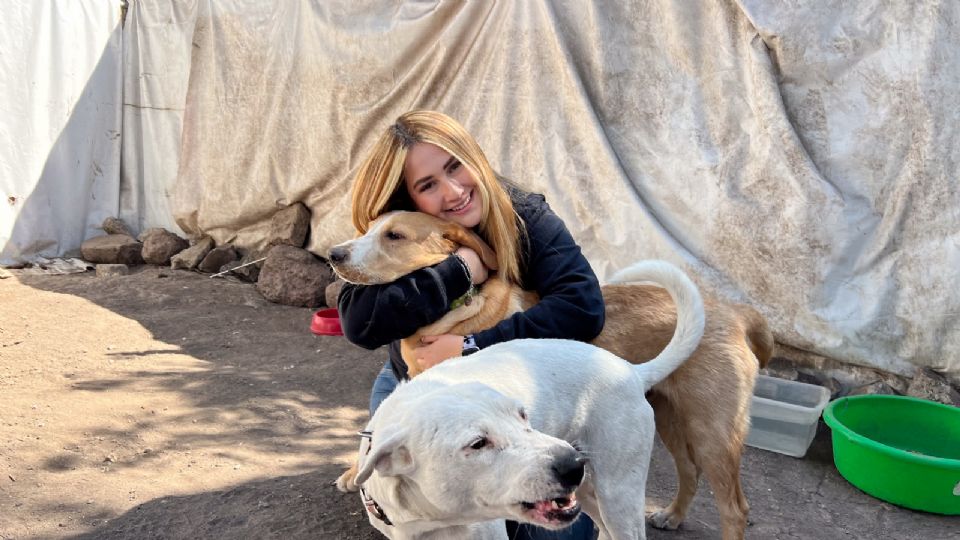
{"x":440,"y":185}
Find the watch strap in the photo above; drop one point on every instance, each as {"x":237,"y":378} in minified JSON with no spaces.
{"x":469,"y":345}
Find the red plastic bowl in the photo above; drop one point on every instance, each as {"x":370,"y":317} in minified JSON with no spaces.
{"x":326,"y":322}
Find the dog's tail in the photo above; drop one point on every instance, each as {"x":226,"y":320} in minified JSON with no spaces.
{"x":759,"y":338}
{"x":690,"y":316}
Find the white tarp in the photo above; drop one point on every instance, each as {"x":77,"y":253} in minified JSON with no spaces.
{"x":801,"y":157}
{"x":60,"y":75}
{"x":156,"y":58}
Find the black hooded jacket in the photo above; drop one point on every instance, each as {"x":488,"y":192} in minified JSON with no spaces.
{"x":552,"y":265}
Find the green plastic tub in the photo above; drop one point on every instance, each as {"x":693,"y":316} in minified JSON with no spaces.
{"x":902,"y":450}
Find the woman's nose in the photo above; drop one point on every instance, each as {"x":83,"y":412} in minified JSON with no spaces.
{"x":453,"y":189}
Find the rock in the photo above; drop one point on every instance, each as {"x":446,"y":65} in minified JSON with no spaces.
{"x":819,"y":378}
{"x":781,"y":368}
{"x":189,"y":258}
{"x":110,"y":270}
{"x":813,"y":376}
{"x":225,"y":269}
{"x":289,"y":226}
{"x":875,"y":387}
{"x":250,"y":272}
{"x":112,"y":249}
{"x":837,"y":388}
{"x":159,"y":245}
{"x":148,"y":233}
{"x":113,"y":225}
{"x":928,"y":384}
{"x":217,"y":257}
{"x":332,"y":292}
{"x":294,"y":277}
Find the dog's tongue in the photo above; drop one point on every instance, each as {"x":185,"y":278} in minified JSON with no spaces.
{"x":544,"y":506}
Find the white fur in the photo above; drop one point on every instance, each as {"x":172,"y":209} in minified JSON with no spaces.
{"x":360,"y":249}
{"x":421,"y":470}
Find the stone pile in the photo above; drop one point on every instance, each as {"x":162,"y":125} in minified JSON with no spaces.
{"x":849,"y":380}
{"x":284,"y":272}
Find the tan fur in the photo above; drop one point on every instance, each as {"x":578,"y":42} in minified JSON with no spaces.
{"x":702,"y":409}
{"x":496,"y":301}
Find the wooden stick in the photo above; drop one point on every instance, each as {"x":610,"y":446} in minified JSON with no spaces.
{"x":218,"y":274}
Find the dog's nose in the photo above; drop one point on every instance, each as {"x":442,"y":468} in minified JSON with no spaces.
{"x":338,"y":254}
{"x":569,"y":471}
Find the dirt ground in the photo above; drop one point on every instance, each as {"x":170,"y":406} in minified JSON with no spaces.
{"x":166,"y":404}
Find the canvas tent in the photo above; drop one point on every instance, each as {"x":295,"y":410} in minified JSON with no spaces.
{"x":801,"y":157}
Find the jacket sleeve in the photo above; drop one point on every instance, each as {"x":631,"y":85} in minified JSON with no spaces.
{"x":375,"y":315}
{"x":571,"y":305}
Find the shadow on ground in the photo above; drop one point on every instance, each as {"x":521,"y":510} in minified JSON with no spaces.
{"x":260,"y":361}
{"x":263,"y":366}
{"x":284,"y":507}
{"x":789,"y":499}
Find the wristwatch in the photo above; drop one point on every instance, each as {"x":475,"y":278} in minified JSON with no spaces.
{"x":469,"y":345}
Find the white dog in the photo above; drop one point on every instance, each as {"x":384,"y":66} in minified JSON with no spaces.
{"x":529,"y":430}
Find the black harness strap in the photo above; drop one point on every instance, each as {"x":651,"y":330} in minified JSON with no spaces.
{"x":371,"y":505}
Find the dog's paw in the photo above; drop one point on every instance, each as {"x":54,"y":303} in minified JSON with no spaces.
{"x":664,"y":520}
{"x":347,"y":482}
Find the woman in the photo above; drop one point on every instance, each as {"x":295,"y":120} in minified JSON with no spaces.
{"x":426,"y":161}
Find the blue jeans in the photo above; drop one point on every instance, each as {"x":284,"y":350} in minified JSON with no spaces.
{"x":582,"y":529}
{"x":384,"y":385}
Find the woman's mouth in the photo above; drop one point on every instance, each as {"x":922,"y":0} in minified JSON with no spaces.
{"x":462,"y":207}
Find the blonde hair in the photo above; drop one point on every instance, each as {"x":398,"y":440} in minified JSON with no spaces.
{"x":379,"y":186}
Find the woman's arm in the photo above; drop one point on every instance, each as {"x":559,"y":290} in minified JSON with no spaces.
{"x":571,"y":305}
{"x":374,"y":315}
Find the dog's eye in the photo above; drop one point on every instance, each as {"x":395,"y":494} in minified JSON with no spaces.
{"x":393,"y":235}
{"x":523,"y":414}
{"x":479,"y":443}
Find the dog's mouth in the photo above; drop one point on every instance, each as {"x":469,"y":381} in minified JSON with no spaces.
{"x":559,"y":511}
{"x":352,"y":274}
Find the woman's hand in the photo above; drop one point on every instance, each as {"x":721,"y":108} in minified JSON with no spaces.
{"x":436,"y":349}
{"x":478,"y":272}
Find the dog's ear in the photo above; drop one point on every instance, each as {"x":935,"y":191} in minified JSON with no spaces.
{"x":390,"y":458}
{"x":464,"y":237}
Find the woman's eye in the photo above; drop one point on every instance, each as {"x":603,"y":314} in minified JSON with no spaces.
{"x":454,"y":166}
{"x":426,"y":186}
{"x":392,"y":235}
{"x":479,"y":443}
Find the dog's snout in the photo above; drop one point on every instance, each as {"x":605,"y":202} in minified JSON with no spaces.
{"x":569,"y":470}
{"x":338,"y":254}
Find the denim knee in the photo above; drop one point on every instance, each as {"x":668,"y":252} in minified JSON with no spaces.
{"x":383,"y":386}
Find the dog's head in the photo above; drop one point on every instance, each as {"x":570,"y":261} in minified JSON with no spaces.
{"x":462,"y":454}
{"x":400,"y":242}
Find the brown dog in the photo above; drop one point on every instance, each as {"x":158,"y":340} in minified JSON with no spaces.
{"x":701,"y":409}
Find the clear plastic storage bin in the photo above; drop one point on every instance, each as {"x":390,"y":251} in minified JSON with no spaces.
{"x":784,"y":415}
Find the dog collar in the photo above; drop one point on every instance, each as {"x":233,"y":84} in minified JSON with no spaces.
{"x":466,"y":299}
{"x":369,"y":504}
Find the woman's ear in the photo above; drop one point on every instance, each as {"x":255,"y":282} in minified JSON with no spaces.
{"x":457,"y":233}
